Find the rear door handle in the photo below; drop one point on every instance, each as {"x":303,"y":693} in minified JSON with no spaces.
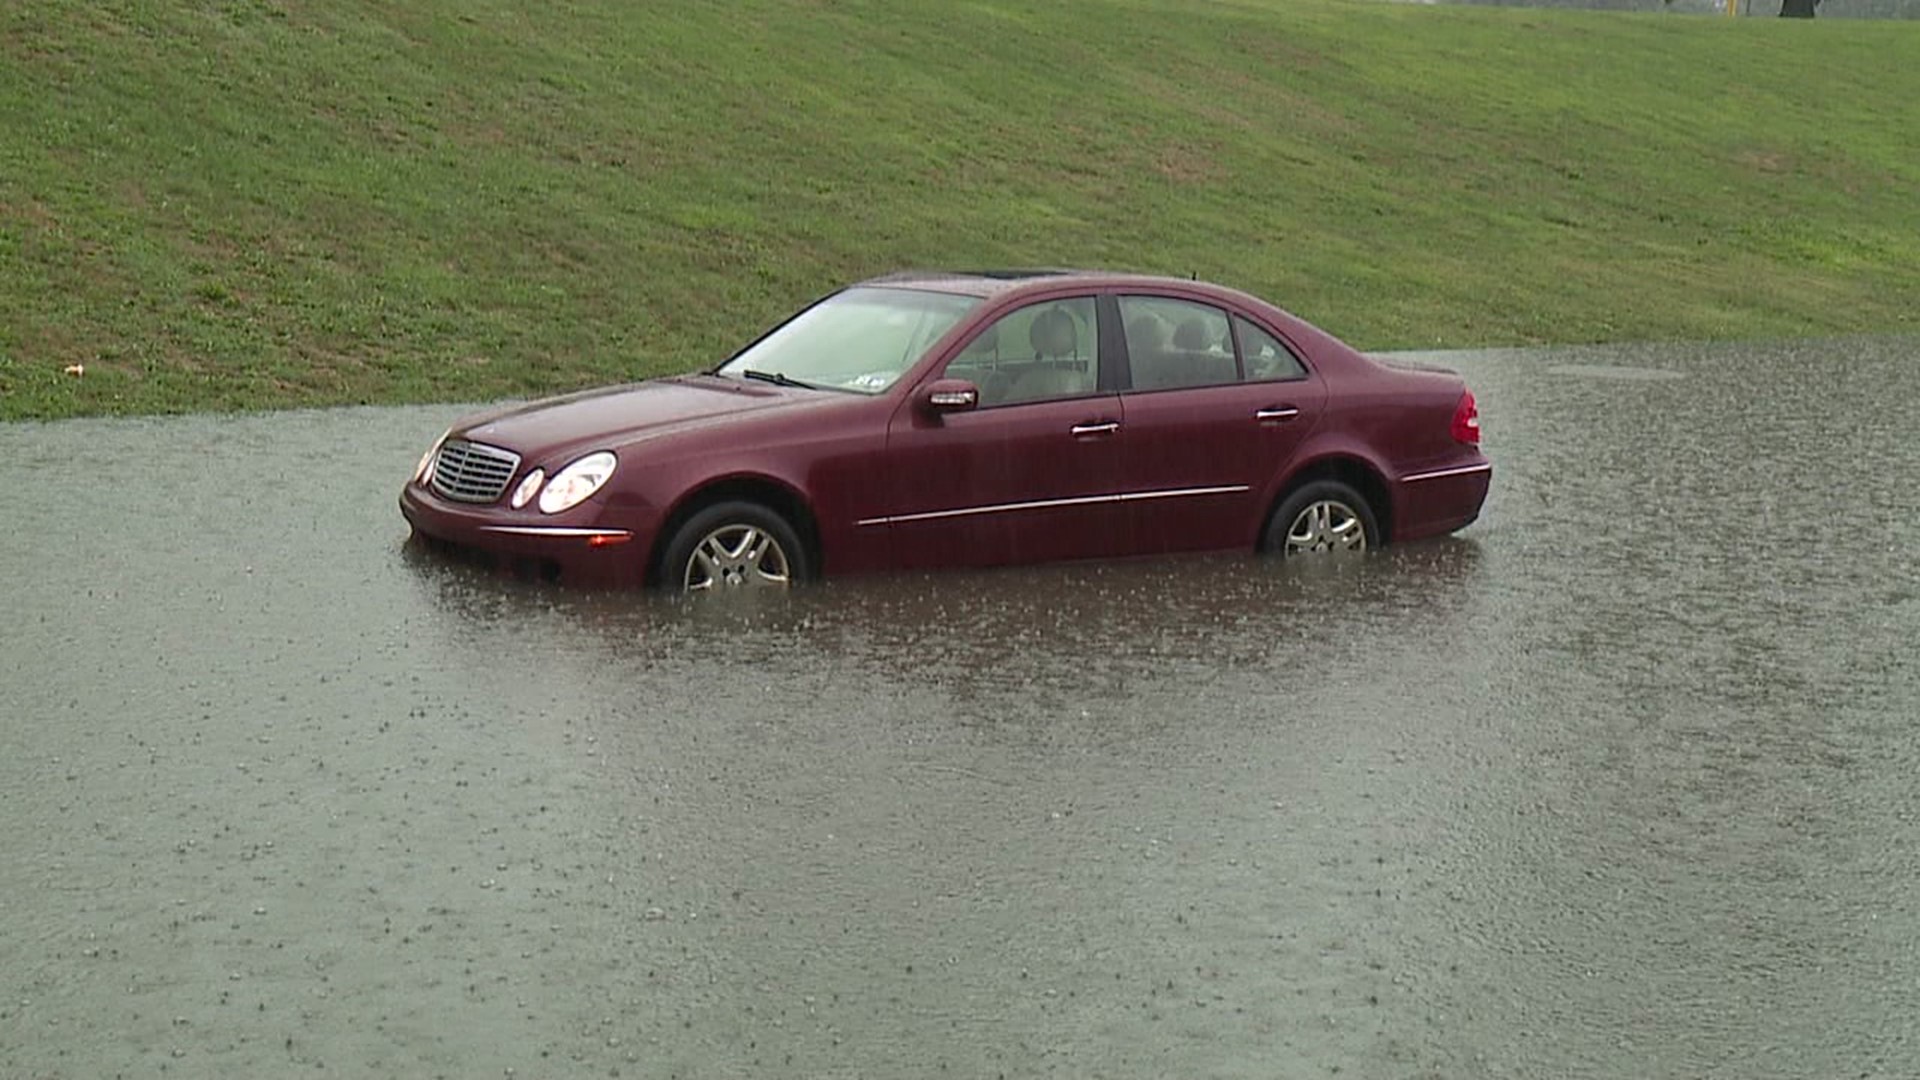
{"x":1278,"y":414}
{"x":1101,"y":427}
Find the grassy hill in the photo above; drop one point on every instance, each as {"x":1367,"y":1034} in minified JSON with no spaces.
{"x":264,"y":203}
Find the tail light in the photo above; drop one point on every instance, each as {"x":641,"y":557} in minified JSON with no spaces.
{"x":1466,"y":420}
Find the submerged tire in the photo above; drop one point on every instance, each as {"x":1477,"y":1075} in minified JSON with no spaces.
{"x":734,"y":545}
{"x":1321,"y":517}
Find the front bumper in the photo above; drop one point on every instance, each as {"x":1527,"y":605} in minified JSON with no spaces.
{"x":576,"y":553}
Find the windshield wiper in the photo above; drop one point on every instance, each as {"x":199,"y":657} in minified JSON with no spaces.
{"x":777,"y":378}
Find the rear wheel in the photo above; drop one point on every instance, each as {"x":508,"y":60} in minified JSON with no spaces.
{"x":734,"y":545}
{"x":1320,"y":518}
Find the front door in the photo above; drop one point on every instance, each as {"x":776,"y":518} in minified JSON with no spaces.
{"x":1033,"y":473}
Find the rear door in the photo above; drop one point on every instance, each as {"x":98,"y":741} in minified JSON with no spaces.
{"x":1215,"y":406}
{"x":1033,"y":473}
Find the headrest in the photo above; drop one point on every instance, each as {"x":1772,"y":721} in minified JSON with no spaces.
{"x":1052,"y":334}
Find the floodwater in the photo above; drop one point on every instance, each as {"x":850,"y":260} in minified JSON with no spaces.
{"x":1620,"y":782}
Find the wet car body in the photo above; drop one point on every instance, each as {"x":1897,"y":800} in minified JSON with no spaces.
{"x":988,"y":446}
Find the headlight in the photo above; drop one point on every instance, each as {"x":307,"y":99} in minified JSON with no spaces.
{"x":527,"y":487}
{"x":574,"y":483}
{"x":423,"y":472}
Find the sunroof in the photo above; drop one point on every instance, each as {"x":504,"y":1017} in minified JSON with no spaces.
{"x":1015,"y":274}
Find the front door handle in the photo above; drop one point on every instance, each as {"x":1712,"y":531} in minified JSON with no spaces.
{"x":1101,"y":427}
{"x":1277,"y":414}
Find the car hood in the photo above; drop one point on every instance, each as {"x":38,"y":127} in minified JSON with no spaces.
{"x":620,"y":415}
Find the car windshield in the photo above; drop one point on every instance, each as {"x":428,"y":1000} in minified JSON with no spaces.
{"x":862,"y":339}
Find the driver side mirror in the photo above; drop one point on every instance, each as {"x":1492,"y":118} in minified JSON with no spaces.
{"x":950,"y":395}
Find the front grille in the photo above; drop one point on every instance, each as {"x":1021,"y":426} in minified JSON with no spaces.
{"x":472,"y":472}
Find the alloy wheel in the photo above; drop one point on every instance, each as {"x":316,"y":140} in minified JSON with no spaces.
{"x":1326,"y":526}
{"x":737,"y":556}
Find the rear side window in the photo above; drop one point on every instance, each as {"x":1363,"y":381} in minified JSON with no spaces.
{"x":1174,"y":343}
{"x":1263,"y":354}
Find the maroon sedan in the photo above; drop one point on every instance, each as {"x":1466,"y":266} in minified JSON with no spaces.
{"x":968,"y":419}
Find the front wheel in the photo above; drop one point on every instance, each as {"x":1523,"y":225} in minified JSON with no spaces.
{"x":1319,"y":518}
{"x":734,"y":545}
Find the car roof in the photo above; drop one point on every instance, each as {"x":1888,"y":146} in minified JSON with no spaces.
{"x":994,"y":282}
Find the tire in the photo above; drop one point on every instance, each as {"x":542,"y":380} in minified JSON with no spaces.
{"x":734,"y":545}
{"x":1321,"y":517}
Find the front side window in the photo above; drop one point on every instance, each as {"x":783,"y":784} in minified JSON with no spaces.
{"x":1034,"y":353}
{"x":861,"y":339}
{"x":1175,"y":343}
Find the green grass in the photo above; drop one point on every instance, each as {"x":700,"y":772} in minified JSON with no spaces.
{"x":269,"y":203}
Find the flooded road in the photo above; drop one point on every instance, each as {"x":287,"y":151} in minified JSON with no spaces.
{"x":1618,"y":783}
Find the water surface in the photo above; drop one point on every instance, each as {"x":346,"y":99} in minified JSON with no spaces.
{"x":1616,"y":783}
